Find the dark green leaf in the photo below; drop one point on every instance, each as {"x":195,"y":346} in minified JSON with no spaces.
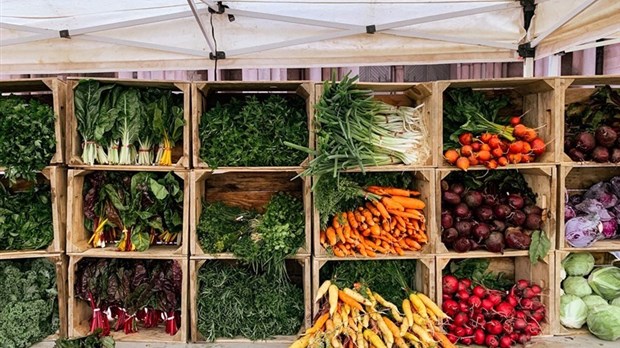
{"x":539,"y":246}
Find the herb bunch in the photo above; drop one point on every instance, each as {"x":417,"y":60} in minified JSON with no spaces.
{"x":251,"y":132}
{"x":262,"y":241}
{"x":25,"y":218}
{"x":27,"y":137}
{"x":29,"y":306}
{"x":269,"y":306}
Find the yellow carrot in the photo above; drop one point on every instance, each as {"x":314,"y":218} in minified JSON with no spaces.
{"x":322,"y":290}
{"x":373,"y":339}
{"x":423,"y":335}
{"x":407,"y":310}
{"x":404,"y":327}
{"x":443,"y":340}
{"x":333,"y":299}
{"x":418,"y":305}
{"x":432,"y":306}
{"x":357,"y":297}
{"x":318,"y":324}
{"x":349,"y":300}
{"x":302,"y":342}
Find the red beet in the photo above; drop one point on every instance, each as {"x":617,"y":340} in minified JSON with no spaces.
{"x":452,"y":338}
{"x":451,"y":198}
{"x":449,"y":235}
{"x":491,"y":341}
{"x":600,"y":154}
{"x":481,"y":231}
{"x":463,"y":295}
{"x":533,"y":221}
{"x":605,"y":136}
{"x":517,"y":218}
{"x":519,"y":324}
{"x":515,"y":201}
{"x":505,"y":342}
{"x":539,"y":315}
{"x":511,"y":300}
{"x":462,"y":211}
{"x":521,"y":284}
{"x":444,"y":186}
{"x":487,"y":304}
{"x":532,"y":209}
{"x":459,"y":332}
{"x":466,"y":341}
{"x":615,"y":155}
{"x":576,"y":155}
{"x":528,"y":293}
{"x":585,"y":142}
{"x":516,"y":239}
{"x":460,"y":319}
{"x":495,"y":298}
{"x":490,"y":200}
{"x":450,"y":307}
{"x":494,"y":327}
{"x":446,"y":219}
{"x":479,"y":336}
{"x":484,"y":213}
{"x":473,"y":199}
{"x":498,"y":226}
{"x":474,"y":301}
{"x":464,"y":228}
{"x":479,"y":291}
{"x":537,"y":289}
{"x":449,"y":284}
{"x":501,"y":211}
{"x":505,"y":309}
{"x":495,"y":242}
{"x":465,"y":283}
{"x":457,"y":188}
{"x":462,"y":245}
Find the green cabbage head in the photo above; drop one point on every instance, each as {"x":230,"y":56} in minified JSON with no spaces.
{"x":593,"y":301}
{"x":616,"y":302}
{"x":573,"y":311}
{"x":604,"y":322}
{"x":605,"y":281}
{"x":577,"y":286}
{"x":578,"y":264}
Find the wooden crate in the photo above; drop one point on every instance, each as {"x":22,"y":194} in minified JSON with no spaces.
{"x":78,"y":236}
{"x":601,"y":258}
{"x":80,"y":312}
{"x":247,"y":190}
{"x":515,"y":268}
{"x":579,"y":89}
{"x":425,"y":184}
{"x":576,"y":179}
{"x":542,"y":180}
{"x":180,"y":153}
{"x":537,"y":96}
{"x":50,"y":90}
{"x":204,"y":94}
{"x":299,"y":272}
{"x":60,"y":262}
{"x":57,"y":178}
{"x":401,"y":94}
{"x":424,"y":275}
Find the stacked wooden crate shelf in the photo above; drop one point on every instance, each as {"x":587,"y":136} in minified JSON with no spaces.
{"x":246,"y":187}
{"x":575,"y":178}
{"x":78,"y":246}
{"x":50,"y":91}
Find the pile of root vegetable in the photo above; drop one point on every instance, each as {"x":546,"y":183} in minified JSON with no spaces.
{"x":390,"y":222}
{"x":593,"y":126}
{"x":489,"y":317}
{"x":475,"y":133}
{"x":361,"y":318}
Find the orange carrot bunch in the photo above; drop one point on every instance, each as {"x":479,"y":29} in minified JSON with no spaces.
{"x":392,"y":224}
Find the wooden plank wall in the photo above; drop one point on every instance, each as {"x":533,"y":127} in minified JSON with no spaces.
{"x":611,"y":65}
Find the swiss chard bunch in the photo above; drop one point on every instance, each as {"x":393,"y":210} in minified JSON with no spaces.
{"x":135,"y":211}
{"x":252,"y":131}
{"x":135,"y":291}
{"x":25,"y":218}
{"x":270,"y":306}
{"x":27,"y":136}
{"x":29,"y":306}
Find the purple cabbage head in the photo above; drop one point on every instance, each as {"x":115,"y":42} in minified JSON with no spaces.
{"x":583,"y":231}
{"x":610,"y":227}
{"x":603,"y":193}
{"x":615,"y":185}
{"x":569,"y":212}
{"x":592,"y":206}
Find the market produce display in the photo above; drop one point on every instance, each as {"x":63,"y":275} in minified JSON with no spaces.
{"x":29,"y":306}
{"x":590,"y":295}
{"x":592,"y":128}
{"x":593,"y":215}
{"x":121,"y":125}
{"x":492,"y":211}
{"x":25,"y":216}
{"x":475,"y":132}
{"x":27,"y":136}
{"x":94,"y":340}
{"x":133,"y":210}
{"x":132,"y":293}
{"x":261,"y":240}
{"x":359,"y":317}
{"x":251,"y":131}
{"x":488,"y":310}
{"x":235,"y":301}
{"x":378,"y":218}
{"x":355,"y":131}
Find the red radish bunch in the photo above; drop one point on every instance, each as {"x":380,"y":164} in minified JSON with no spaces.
{"x":492,"y":151}
{"x":489,"y":317}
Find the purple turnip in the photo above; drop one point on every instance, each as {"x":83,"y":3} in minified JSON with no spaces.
{"x":605,"y":136}
{"x":585,"y":142}
{"x":600,"y":154}
{"x":473,"y":199}
{"x":495,"y":242}
{"x":484,"y":213}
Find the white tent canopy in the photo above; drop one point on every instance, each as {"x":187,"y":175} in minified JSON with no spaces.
{"x":41,"y":36}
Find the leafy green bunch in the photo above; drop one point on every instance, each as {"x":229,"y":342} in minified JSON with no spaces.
{"x":94,"y":340}
{"x":29,"y":306}
{"x":262,"y":241}
{"x":26,"y":218}
{"x":27,"y":136}
{"x":251,"y":131}
{"x":268,"y":306}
